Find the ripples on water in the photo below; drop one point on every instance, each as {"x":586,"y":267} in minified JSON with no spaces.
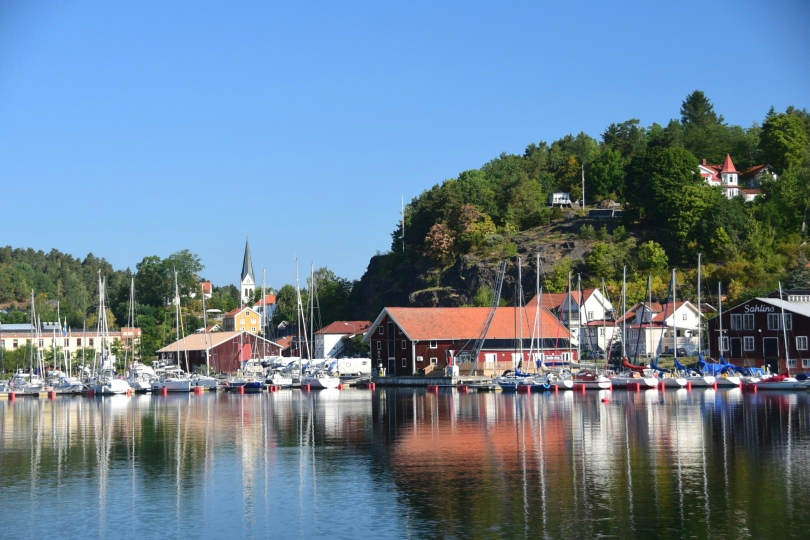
{"x":403,"y":463}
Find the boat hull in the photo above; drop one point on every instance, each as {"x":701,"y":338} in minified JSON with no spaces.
{"x":320,"y":382}
{"x":111,"y":388}
{"x":729,"y":382}
{"x":786,"y":385}
{"x":567,"y":384}
{"x":172,"y":386}
{"x":706,"y":381}
{"x":635,"y":382}
{"x":673,"y":382}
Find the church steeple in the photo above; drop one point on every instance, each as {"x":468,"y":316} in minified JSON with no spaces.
{"x":248,"y":279}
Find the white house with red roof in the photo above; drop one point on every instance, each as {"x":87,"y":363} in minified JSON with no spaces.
{"x":659,"y":328}
{"x":406,"y":340}
{"x":581,"y":309}
{"x":266,"y":305}
{"x":734,"y":183}
{"x":335,"y":340}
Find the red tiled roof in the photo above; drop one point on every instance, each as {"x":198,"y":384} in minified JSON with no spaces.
{"x":345,"y":327}
{"x":424,"y":324}
{"x":206,"y":286}
{"x":234,"y":312}
{"x":554,"y":300}
{"x":269,"y":299}
{"x":728,"y":166}
{"x":755,"y":170}
{"x":285,"y":342}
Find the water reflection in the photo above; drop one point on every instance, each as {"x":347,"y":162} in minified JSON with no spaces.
{"x":405,"y":462}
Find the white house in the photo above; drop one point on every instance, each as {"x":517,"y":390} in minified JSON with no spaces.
{"x":583,"y":311}
{"x":335,"y":340}
{"x":657,"y":328}
{"x":560,"y":198}
{"x":733,"y":182}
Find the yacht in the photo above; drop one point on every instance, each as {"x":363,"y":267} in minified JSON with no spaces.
{"x":171,"y":379}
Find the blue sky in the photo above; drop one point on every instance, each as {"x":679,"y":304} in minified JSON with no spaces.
{"x":130,"y":129}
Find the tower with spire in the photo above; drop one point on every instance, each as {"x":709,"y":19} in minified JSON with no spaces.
{"x":248,"y":278}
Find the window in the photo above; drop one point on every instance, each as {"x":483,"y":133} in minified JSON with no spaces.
{"x":434,"y":360}
{"x":590,"y":315}
{"x":41,"y":343}
{"x":404,"y":344}
{"x":253,"y":329}
{"x":14,"y":344}
{"x":723,"y":344}
{"x":602,"y":332}
{"x":67,"y":342}
{"x":78,"y":342}
{"x":381,"y":330}
{"x":90,"y":342}
{"x":792,"y":363}
{"x":748,"y":321}
{"x":242,"y":321}
{"x":736,"y":322}
{"x":685,"y":316}
{"x":404,"y":362}
{"x":805,"y":362}
{"x":775,"y":321}
{"x":748,"y":343}
{"x":434,"y":344}
{"x":379,"y":345}
{"x":801,"y":343}
{"x":253,"y":320}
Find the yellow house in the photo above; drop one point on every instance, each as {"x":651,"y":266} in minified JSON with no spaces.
{"x":242,"y":319}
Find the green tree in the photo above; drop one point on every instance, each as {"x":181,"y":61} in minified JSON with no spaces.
{"x":652,"y":257}
{"x":605,"y":178}
{"x":783,"y":142}
{"x":655,"y":178}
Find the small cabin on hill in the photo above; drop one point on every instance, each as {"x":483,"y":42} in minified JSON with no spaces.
{"x":560,"y":198}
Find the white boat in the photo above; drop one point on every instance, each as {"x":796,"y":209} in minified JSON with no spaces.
{"x":172,"y":379}
{"x":204,"y":381}
{"x":780,"y":382}
{"x":279,"y":379}
{"x":560,"y":383}
{"x":670,"y":381}
{"x":591,"y":381}
{"x":700,"y":381}
{"x":26,"y":383}
{"x":634,"y":381}
{"x":141,"y":377}
{"x":320,"y":380}
{"x":108,"y":384}
{"x":66,"y":384}
{"x":729,"y":381}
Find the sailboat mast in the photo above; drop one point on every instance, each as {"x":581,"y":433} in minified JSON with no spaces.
{"x":570,"y":329}
{"x":300,"y":310}
{"x":649,"y":309}
{"x":674,"y":319}
{"x":205,"y":332}
{"x":624,"y":312}
{"x":311,"y":309}
{"x":700,"y":311}
{"x":720,"y":312}
{"x":784,"y":330}
{"x":177,"y":316}
{"x":264,"y":313}
{"x":579,"y":317}
{"x":537,"y":313}
{"x":520,"y":310}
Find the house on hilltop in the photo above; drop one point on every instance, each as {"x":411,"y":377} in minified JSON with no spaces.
{"x":734,"y":183}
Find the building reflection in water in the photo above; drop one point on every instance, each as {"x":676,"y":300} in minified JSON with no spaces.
{"x":407,"y":462}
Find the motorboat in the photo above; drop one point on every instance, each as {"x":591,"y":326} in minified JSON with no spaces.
{"x":26,"y":383}
{"x":279,"y":379}
{"x":200,"y":380}
{"x":780,"y":382}
{"x":107,"y":384}
{"x":141,"y":377}
{"x":244,"y":385}
{"x":561,"y":381}
{"x":590,"y":380}
{"x":68,"y":385}
{"x":320,"y":380}
{"x":171,"y":379}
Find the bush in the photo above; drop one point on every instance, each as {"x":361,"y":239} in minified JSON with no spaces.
{"x":620,"y":234}
{"x":587,"y":232}
{"x":556,"y":214}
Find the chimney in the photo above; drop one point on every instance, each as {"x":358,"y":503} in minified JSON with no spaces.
{"x":704,"y":162}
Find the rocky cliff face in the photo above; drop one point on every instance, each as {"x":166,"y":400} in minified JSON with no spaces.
{"x":394,"y":280}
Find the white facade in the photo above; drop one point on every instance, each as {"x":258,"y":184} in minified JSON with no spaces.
{"x":329,"y":345}
{"x":596,"y":307}
{"x":561,"y":198}
{"x":644,"y":339}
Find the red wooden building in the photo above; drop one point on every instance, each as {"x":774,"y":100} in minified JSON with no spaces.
{"x":408,"y":340}
{"x":224,"y":350}
{"x":753,"y":334}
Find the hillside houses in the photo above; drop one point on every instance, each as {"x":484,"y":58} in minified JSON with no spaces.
{"x":734,"y":183}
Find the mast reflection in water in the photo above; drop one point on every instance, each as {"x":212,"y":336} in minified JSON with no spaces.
{"x":396,"y":463}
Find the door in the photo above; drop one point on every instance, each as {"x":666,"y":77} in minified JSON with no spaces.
{"x":770,"y":347}
{"x":736,"y":347}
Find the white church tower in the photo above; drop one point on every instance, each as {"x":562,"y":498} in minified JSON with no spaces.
{"x":248,"y":279}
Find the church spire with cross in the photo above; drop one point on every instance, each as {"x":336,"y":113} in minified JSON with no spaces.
{"x":248,"y":278}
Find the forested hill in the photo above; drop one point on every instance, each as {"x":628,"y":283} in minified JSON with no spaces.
{"x":457,"y":231}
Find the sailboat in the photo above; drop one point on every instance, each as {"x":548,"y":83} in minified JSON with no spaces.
{"x":693,"y":378}
{"x":204,"y":380}
{"x":140,"y":376}
{"x":632,"y":376}
{"x":317,"y":378}
{"x":106,"y":382}
{"x":170,"y":377}
{"x":728,"y":373}
{"x":667,"y":379}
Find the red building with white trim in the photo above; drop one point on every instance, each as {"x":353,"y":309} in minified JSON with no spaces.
{"x":408,"y":340}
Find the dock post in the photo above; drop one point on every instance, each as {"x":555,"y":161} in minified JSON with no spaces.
{"x":12,"y":396}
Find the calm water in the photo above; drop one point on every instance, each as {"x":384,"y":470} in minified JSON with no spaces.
{"x":392,"y":464}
